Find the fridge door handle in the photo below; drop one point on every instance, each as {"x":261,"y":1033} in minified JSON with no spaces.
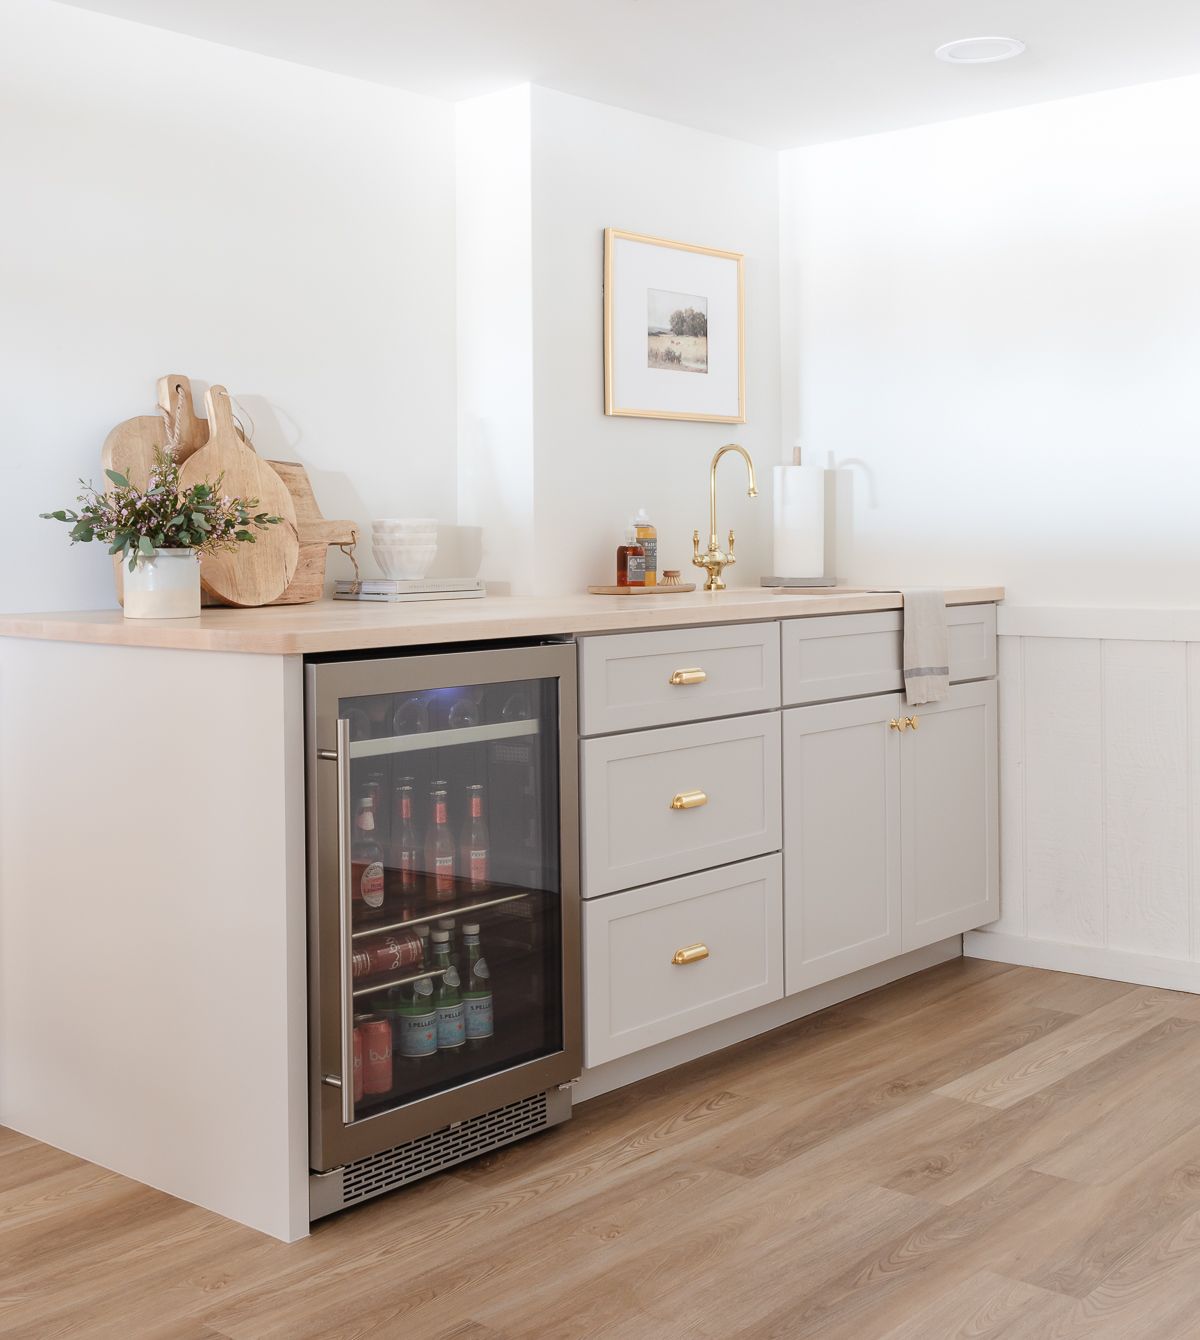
{"x":344,"y":1080}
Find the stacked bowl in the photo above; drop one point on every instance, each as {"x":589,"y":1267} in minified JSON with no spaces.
{"x":404,"y":547}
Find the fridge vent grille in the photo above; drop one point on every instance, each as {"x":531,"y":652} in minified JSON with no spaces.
{"x":377,"y":1173}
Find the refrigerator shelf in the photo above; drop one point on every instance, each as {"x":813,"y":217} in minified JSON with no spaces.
{"x":388,"y":983}
{"x":437,"y":910}
{"x":442,"y":739}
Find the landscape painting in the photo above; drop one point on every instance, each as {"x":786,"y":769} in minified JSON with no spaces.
{"x":676,"y":331}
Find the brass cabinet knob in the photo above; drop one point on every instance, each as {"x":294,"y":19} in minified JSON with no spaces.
{"x":904,"y":723}
{"x":689,"y":800}
{"x":693,"y":676}
{"x":689,"y":954}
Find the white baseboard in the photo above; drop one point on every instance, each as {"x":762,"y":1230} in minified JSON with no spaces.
{"x":666,"y":1055}
{"x":1087,"y":960}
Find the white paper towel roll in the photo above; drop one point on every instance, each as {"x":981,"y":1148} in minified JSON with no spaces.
{"x":799,"y":521}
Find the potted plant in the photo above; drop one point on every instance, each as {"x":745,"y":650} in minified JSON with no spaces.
{"x":161,"y":533}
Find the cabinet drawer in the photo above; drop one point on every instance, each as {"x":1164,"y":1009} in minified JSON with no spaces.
{"x":632,"y":680}
{"x":637,"y":996}
{"x":846,"y":655}
{"x":633,"y":830}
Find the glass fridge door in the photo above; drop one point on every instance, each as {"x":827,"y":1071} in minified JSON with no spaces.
{"x":450,"y":935}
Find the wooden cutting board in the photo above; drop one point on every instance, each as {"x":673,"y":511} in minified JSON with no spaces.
{"x":252,"y":574}
{"x":129,"y":449}
{"x":175,"y":396}
{"x":315,"y":533}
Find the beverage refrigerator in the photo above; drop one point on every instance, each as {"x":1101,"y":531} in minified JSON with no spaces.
{"x":443,"y":877}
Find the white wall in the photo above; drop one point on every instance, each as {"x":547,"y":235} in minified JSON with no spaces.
{"x":494,"y":209}
{"x":595,"y":167}
{"x":993,"y":325}
{"x":176,"y":206}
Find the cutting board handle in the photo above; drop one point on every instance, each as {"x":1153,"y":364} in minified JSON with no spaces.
{"x":220,"y":413}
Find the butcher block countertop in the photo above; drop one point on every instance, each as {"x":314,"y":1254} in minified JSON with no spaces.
{"x":330,"y":625}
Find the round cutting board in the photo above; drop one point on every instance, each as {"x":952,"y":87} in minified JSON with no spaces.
{"x":250,"y":574}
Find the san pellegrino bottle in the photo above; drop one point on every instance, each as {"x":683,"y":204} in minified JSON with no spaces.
{"x":417,"y":1019}
{"x":474,"y":861}
{"x":448,"y":925}
{"x":439,"y":850}
{"x":477,"y":996}
{"x":448,"y":1001}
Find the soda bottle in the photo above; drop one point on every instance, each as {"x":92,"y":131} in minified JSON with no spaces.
{"x":405,"y":863}
{"x":474,"y":860}
{"x":366,"y":860}
{"x":447,"y":999}
{"x":418,"y":1021}
{"x":439,"y":850}
{"x":477,"y":995}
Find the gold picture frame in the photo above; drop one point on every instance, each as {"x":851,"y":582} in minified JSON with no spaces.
{"x":611,"y":397}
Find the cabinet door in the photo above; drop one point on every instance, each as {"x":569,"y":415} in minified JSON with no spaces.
{"x":948,"y":814}
{"x":841,"y":789}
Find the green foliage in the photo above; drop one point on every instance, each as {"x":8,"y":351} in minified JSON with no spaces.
{"x":135,"y":522}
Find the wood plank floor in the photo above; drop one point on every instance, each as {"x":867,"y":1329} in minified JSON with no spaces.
{"x":976,"y":1151}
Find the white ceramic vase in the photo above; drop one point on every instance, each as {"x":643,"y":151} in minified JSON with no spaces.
{"x":165,"y":585}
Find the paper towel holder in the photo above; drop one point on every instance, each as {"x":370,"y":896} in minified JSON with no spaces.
{"x":781,"y":582}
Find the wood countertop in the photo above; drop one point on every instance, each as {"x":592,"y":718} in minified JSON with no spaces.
{"x":330,"y":625}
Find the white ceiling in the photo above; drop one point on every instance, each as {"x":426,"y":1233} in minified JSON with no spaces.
{"x":776,"y":72}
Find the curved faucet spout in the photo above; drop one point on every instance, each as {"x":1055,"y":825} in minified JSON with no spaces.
{"x":751,"y":492}
{"x":714,"y":561}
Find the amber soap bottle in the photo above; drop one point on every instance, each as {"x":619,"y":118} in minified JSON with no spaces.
{"x":631,"y":561}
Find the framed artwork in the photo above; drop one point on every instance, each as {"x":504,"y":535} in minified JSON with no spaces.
{"x":674,"y":330}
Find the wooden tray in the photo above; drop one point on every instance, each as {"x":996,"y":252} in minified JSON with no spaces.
{"x":679,"y":590}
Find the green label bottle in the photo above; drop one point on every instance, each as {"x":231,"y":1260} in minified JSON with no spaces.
{"x":477,"y":997}
{"x":447,"y":998}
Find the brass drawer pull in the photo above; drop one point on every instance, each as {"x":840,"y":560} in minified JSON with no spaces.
{"x":904,"y":723}
{"x":689,"y":800}
{"x":693,"y":676}
{"x":895,"y":724}
{"x":690,"y":954}
{"x":912,"y":722}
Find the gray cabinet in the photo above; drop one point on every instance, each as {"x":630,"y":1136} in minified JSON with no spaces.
{"x":890,"y":828}
{"x":949,"y":826}
{"x":841,"y":838}
{"x":666,"y":802}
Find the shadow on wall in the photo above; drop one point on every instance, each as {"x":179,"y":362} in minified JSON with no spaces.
{"x":276,"y":436}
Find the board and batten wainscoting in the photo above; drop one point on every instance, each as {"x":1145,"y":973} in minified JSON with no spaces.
{"x":1099,"y":794}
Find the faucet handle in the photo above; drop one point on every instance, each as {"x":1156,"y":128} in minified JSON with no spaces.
{"x":696,"y":561}
{"x":731,"y":557}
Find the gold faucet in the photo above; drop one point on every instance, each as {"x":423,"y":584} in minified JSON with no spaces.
{"x":713,"y":561}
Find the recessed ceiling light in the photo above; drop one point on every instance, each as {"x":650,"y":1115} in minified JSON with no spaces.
{"x":979,"y":50}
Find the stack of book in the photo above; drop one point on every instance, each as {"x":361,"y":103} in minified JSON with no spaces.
{"x":415,"y":588}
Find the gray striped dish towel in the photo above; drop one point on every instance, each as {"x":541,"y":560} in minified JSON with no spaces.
{"x":926,"y":646}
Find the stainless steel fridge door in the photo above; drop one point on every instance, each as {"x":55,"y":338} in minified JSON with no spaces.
{"x":341,"y":1128}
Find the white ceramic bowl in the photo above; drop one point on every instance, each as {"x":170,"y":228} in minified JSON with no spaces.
{"x":404,"y":525}
{"x":404,"y":560}
{"x":429,"y":536}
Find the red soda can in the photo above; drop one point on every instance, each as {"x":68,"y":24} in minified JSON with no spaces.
{"x":358,"y":1065}
{"x":389,"y":954}
{"x":377,"y":1055}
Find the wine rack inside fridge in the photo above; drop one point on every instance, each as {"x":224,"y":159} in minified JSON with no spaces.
{"x":444,"y":966}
